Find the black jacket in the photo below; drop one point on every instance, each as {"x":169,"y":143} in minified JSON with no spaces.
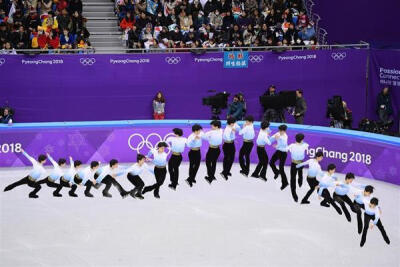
{"x":301,"y":106}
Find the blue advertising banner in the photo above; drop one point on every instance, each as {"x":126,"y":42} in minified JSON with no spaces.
{"x":236,"y":59}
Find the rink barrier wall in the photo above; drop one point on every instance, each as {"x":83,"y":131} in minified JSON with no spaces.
{"x":365,"y":154}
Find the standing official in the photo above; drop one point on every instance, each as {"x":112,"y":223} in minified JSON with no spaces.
{"x":214,"y":138}
{"x":194,"y":142}
{"x":160,"y":168}
{"x":244,"y":154}
{"x":228,"y":147}
{"x":262,"y":141}
{"x":300,"y":108}
{"x":34,"y":175}
{"x":280,"y":154}
{"x":314,"y":170}
{"x":177,"y":144}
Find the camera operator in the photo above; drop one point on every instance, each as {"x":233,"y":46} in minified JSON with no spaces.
{"x":235,"y":109}
{"x":241,"y":99}
{"x":300,"y":108}
{"x":384,"y":106}
{"x":6,"y":117}
{"x":271,"y":114}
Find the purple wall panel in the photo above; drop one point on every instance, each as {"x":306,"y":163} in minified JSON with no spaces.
{"x":115,"y":87}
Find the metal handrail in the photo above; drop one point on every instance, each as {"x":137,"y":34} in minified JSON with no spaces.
{"x":194,"y":50}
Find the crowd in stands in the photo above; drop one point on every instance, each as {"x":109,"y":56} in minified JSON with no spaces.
{"x":214,"y":23}
{"x":42,"y":24}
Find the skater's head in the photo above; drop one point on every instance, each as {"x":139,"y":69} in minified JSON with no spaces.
{"x":42,"y":159}
{"x":231,"y":121}
{"x":161,"y":146}
{"x":368,"y":190}
{"x":215,"y":124}
{"x":264,"y":125}
{"x":77,"y":164}
{"x":94,"y":165}
{"x":282,"y":128}
{"x":140,"y":159}
{"x":249,"y":119}
{"x":114,"y":164}
{"x":374,"y":202}
{"x":196,"y":128}
{"x":331,"y":168}
{"x":319,"y":155}
{"x":299,"y":137}
{"x":177,"y":131}
{"x":349,"y":177}
{"x":62,"y":162}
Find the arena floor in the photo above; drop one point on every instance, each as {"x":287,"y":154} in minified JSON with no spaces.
{"x":240,"y":222}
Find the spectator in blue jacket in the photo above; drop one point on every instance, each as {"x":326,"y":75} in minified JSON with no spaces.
{"x":235,"y":109}
{"x":67,"y":40}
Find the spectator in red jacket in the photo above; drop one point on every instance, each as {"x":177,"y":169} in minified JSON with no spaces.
{"x":53,"y":40}
{"x":42,"y":39}
{"x":62,"y":4}
{"x":127,"y":22}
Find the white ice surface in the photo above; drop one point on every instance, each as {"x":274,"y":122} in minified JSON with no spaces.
{"x":240,"y":222}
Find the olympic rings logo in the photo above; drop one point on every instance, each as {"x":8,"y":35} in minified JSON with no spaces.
{"x":87,"y":61}
{"x":338,"y":56}
{"x":146,"y":141}
{"x":2,"y":61}
{"x":173,"y":60}
{"x":256,"y":58}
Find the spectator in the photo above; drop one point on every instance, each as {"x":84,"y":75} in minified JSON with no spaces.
{"x":64,"y":21}
{"x":75,"y":6}
{"x":6,"y":117}
{"x":384,"y":106}
{"x":127,"y":22}
{"x":235,"y":109}
{"x":159,"y":106}
{"x":50,"y":23}
{"x":53,"y":41}
{"x":67,"y":40}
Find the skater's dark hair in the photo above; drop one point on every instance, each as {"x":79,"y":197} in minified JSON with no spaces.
{"x":77,"y":163}
{"x":196,"y":127}
{"x":216,"y":123}
{"x":230,"y":120}
{"x":319,"y":154}
{"x":264,"y":125}
{"x":282,"y":127}
{"x":62,"y":161}
{"x":42,"y":158}
{"x":369,"y":189}
{"x":349,"y":175}
{"x":162,"y":144}
{"x":299,"y":137}
{"x":94,"y":164}
{"x":178,"y":131}
{"x":113,"y":162}
{"x":249,"y":118}
{"x":374,"y":201}
{"x":331,"y":167}
{"x":139,"y":157}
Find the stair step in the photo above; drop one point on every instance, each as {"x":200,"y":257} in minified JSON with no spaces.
{"x":98,"y":1}
{"x":101,"y":18}
{"x":102,"y":24}
{"x":98,"y":4}
{"x":98,"y":8}
{"x":105,"y":37}
{"x":98,"y":14}
{"x":112,"y":44}
{"x":94,"y":33}
{"x":112,"y":28}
